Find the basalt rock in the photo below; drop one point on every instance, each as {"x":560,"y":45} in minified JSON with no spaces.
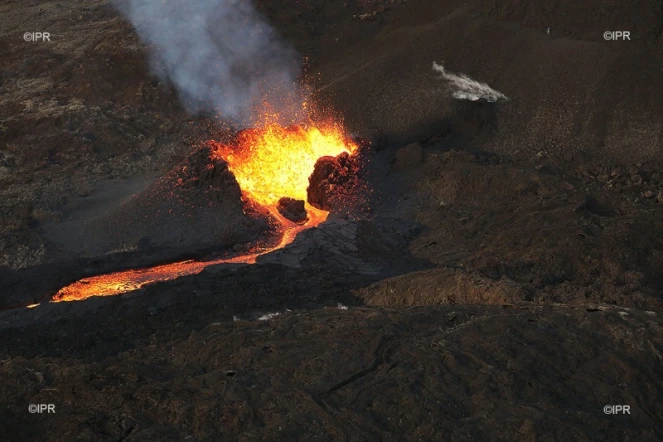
{"x":292,"y":209}
{"x":335,"y":183}
{"x":197,"y":205}
{"x":408,"y":157}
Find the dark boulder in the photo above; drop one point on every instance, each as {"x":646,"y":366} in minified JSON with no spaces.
{"x":292,"y":209}
{"x":335,"y":183}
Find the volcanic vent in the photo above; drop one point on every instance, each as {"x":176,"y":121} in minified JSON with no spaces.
{"x":273,"y":166}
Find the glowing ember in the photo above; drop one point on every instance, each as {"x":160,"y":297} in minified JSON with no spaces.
{"x":268,"y":163}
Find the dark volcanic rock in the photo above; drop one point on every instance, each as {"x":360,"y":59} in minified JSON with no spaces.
{"x":116,"y":360}
{"x":202,"y":171}
{"x":292,"y":209}
{"x":197,"y":205}
{"x":408,"y":157}
{"x":335,"y":182}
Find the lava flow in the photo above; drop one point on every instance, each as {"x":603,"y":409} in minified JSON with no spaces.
{"x":268,"y":163}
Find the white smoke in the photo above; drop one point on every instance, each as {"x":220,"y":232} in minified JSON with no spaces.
{"x":268,"y":316}
{"x":221,"y":56}
{"x":466,"y":88}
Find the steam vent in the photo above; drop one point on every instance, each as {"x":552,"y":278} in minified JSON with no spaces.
{"x":331,"y":221}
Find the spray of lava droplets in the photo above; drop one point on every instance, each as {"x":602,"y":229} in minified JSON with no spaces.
{"x":269,"y":163}
{"x":276,"y":161}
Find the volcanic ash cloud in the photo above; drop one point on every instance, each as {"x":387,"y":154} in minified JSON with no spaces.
{"x":222,"y":57}
{"x":465,"y":88}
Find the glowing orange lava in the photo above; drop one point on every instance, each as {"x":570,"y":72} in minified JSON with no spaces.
{"x":276,"y":161}
{"x":269,"y":163}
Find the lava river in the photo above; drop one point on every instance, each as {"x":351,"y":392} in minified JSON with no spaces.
{"x":268,"y":163}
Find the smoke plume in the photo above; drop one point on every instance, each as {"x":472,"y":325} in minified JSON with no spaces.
{"x":466,"y":88}
{"x":221,"y":56}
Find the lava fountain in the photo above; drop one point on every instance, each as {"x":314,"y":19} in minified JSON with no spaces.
{"x":269,"y":163}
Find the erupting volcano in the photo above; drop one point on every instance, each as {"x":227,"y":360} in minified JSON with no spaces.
{"x":271,"y":164}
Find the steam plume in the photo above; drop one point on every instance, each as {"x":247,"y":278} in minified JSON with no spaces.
{"x":221,"y":56}
{"x":466,"y":88}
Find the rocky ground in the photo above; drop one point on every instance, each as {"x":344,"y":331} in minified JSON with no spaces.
{"x":501,"y":282}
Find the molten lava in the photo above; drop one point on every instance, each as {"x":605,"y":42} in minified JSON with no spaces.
{"x":268,"y":163}
{"x":277,"y":161}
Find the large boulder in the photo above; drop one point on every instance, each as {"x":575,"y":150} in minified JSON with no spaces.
{"x":335,"y":184}
{"x":292,"y":209}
